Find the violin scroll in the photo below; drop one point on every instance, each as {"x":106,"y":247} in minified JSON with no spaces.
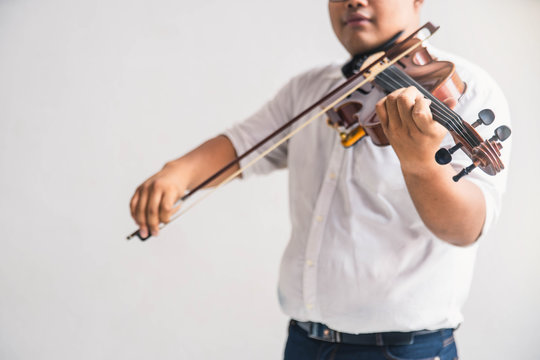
{"x":487,"y":154}
{"x":485,"y":117}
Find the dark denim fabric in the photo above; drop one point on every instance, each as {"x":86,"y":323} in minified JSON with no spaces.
{"x":435,"y":346}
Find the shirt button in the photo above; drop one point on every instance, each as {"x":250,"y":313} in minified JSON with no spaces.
{"x":309,"y":263}
{"x":332,"y":176}
{"x":318,"y":218}
{"x":309,"y":306}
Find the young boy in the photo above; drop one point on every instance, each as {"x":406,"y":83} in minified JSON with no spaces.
{"x":383,"y":241}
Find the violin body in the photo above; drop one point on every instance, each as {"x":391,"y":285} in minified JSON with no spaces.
{"x":355,"y":116}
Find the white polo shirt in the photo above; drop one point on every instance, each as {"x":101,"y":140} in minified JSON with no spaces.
{"x":360,"y":259}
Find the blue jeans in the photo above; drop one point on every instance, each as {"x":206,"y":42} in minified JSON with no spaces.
{"x":439,"y":345}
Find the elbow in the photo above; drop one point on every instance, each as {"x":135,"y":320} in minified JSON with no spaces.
{"x":460,"y":238}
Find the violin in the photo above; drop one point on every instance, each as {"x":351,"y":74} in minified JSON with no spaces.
{"x":352,"y":114}
{"x":438,"y":82}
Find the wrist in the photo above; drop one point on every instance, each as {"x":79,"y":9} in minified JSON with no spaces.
{"x":179,"y":170}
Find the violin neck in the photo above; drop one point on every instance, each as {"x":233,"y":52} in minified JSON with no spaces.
{"x":394,"y":78}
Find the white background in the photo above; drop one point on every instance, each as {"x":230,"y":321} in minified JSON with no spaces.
{"x":96,"y":95}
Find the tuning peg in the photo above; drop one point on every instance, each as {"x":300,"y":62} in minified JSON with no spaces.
{"x":444,"y":156}
{"x":502,"y":133}
{"x":463,"y":172}
{"x":485,"y":117}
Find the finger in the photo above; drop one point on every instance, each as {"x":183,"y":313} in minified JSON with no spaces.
{"x":380,"y":109}
{"x":405,"y":105}
{"x":421,"y":115}
{"x":166,"y":206}
{"x":394,"y":120}
{"x":133,"y":202}
{"x":140,"y":211}
{"x":152,"y":210}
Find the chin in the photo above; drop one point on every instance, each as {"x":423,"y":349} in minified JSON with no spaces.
{"x":359,"y":47}
{"x":359,"y":42}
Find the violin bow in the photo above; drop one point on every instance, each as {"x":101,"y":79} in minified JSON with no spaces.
{"x":327,"y":102}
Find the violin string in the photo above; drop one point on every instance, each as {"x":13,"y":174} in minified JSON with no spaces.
{"x":435,"y":102}
{"x":386,"y":81}
{"x":438,"y":115}
{"x":453,"y":118}
{"x":390,"y":87}
{"x":410,"y":81}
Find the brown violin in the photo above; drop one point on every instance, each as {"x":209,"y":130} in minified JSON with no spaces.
{"x":352,"y":114}
{"x":438,"y":81}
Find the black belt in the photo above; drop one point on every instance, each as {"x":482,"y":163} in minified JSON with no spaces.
{"x":322,"y":332}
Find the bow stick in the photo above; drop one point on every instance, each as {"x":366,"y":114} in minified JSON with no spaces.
{"x":330,"y":100}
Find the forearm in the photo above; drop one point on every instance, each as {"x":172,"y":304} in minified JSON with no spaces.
{"x":204,"y":161}
{"x":454,"y":212}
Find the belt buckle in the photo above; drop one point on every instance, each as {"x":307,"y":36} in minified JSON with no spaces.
{"x":322,"y":332}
